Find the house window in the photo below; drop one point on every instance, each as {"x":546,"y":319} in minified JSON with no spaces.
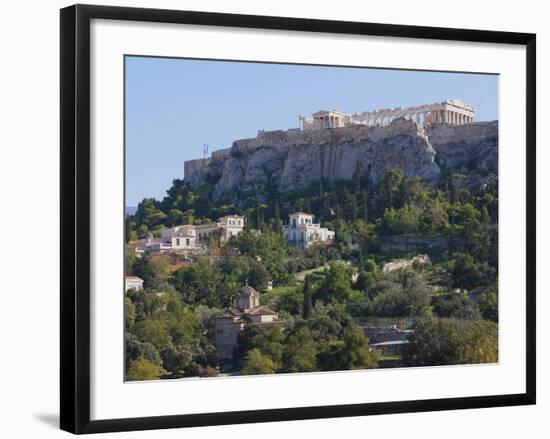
{"x":177,"y":242}
{"x":294,"y":222}
{"x":187,"y":242}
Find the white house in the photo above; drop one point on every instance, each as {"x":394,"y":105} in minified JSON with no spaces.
{"x":302,"y":232}
{"x":133,"y":283}
{"x":231,"y":225}
{"x":153,"y":245}
{"x":205,"y":230}
{"x":180,"y":237}
{"x":187,"y":237}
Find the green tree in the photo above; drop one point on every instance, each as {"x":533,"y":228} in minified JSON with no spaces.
{"x":451,"y":341}
{"x":136,"y":349}
{"x":328,"y":322}
{"x":466,"y":273}
{"x":149,"y":213}
{"x":267,"y":339}
{"x":364,"y":206}
{"x":150,"y":270}
{"x":400,"y":221}
{"x":459,"y":306}
{"x":129,"y":313}
{"x":154,"y":332}
{"x":365,"y":280}
{"x":356,"y":179}
{"x":290,"y":302}
{"x":451,"y":187}
{"x":388,"y":189}
{"x":308,"y":300}
{"x":198,"y":283}
{"x":147,"y":303}
{"x":143,"y":370}
{"x":177,"y":359}
{"x":401,"y":294}
{"x":299,"y":354}
{"x":257,"y":363}
{"x":488,"y":304}
{"x":336,"y":286}
{"x":277,"y":223}
{"x":129,"y":258}
{"x":349,"y":352}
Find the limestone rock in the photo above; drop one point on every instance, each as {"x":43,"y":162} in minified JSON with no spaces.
{"x":466,"y":148}
{"x":293,"y":159}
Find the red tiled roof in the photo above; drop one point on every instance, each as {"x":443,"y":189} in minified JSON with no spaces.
{"x":233,"y":312}
{"x":135,"y":278}
{"x":261,"y":311}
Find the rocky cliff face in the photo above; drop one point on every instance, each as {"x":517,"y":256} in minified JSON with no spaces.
{"x":293,"y":159}
{"x":465,"y":148}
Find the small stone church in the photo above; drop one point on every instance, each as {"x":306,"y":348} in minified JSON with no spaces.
{"x":247,"y":312}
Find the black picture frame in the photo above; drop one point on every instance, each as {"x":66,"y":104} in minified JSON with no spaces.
{"x":75,"y":217}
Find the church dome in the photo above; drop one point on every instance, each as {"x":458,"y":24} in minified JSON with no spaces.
{"x":247,"y":298}
{"x":247,"y":291}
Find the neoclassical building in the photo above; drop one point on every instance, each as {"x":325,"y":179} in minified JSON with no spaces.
{"x":247,"y":311}
{"x":302,"y":232}
{"x":452,"y":112}
{"x":188,"y":237}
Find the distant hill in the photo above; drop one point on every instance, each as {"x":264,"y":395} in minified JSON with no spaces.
{"x":130,"y":210}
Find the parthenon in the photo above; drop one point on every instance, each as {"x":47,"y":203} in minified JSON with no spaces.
{"x":453,"y":112}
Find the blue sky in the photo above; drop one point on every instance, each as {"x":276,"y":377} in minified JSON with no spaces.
{"x":174,"y":106}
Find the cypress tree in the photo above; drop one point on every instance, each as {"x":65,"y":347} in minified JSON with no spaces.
{"x":308,"y":302}
{"x":277,"y":217}
{"x":364,"y":206}
{"x":259,"y":219}
{"x":485,"y":218}
{"x":357,"y":178}
{"x":451,"y":187}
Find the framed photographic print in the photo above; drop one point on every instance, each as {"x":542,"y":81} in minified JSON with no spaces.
{"x":268,"y":218}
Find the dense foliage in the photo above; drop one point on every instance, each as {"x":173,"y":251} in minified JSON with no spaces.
{"x":326,"y":293}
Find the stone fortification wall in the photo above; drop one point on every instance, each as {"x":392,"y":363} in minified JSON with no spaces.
{"x":194,"y":171}
{"x":355,"y":133}
{"x":466,"y":147}
{"x":294,"y":159}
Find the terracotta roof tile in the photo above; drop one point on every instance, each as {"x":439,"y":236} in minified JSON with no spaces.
{"x":261,"y":311}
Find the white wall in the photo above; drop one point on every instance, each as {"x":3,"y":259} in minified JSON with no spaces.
{"x":29,"y":187}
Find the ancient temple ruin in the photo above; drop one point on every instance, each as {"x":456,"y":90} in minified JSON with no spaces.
{"x":452,"y":112}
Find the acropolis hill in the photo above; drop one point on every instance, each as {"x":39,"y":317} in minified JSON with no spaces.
{"x":420,"y":140}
